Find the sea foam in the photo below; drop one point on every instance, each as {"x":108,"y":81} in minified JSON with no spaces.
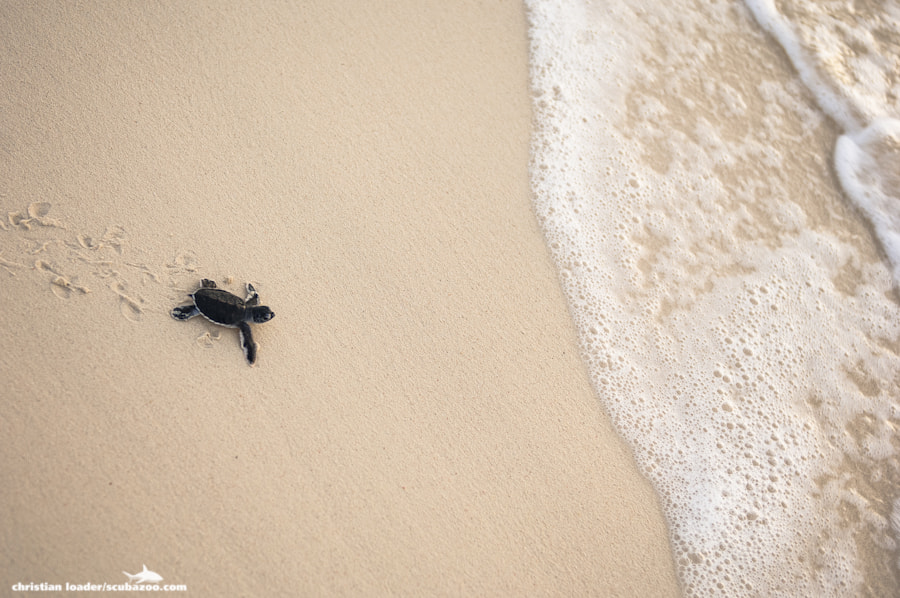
{"x":848,"y":55}
{"x":736,"y":317}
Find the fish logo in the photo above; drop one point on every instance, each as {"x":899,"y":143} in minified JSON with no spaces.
{"x":143,"y":576}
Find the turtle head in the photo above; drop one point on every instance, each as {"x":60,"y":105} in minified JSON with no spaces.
{"x":260,"y":314}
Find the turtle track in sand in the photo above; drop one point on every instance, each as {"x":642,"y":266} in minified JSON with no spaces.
{"x":81,"y":264}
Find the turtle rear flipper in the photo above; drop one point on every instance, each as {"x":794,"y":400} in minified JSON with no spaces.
{"x":184,"y":312}
{"x":247,"y":342}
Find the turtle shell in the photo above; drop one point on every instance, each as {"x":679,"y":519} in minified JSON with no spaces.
{"x":220,"y":306}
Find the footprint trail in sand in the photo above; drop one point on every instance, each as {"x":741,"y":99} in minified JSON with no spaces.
{"x":79,"y":264}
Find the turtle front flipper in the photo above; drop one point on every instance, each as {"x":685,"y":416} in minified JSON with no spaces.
{"x":184,"y":312}
{"x":247,"y":342}
{"x":252,"y":296}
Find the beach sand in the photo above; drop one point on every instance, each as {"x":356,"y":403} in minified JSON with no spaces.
{"x":419,"y":422}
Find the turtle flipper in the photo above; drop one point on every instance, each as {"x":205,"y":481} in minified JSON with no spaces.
{"x":208,"y":284}
{"x":252,"y":296}
{"x":184,"y":312}
{"x":247,"y":342}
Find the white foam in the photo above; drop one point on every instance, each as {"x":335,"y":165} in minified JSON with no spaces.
{"x":847,"y":55}
{"x":840,"y":107}
{"x":868,"y":165}
{"x":735,"y":324}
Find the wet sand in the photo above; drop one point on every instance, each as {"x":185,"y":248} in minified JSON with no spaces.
{"x":419,"y":421}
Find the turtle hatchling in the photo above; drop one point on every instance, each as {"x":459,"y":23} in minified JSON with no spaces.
{"x":226,"y":309}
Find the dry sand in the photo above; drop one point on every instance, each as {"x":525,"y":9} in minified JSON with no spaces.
{"x":419,"y":422}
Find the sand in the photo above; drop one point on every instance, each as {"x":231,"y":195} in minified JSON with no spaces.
{"x":419,"y":421}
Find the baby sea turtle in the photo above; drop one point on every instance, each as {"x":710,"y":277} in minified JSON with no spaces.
{"x":226,"y":309}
